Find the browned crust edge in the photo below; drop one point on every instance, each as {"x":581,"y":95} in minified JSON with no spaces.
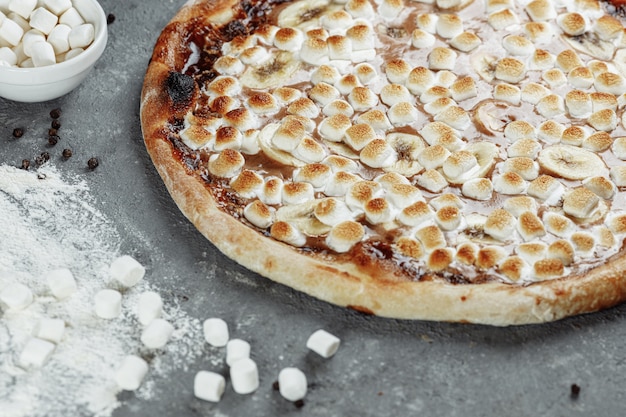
{"x":342,"y":284}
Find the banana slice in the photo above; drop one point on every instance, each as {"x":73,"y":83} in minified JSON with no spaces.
{"x":485,"y":154}
{"x":590,"y":44}
{"x":485,"y":65}
{"x":341,"y":149}
{"x":620,"y":61}
{"x":408,"y":147}
{"x":491,"y":116}
{"x":305,"y":14}
{"x":570,"y":162}
{"x":271,"y":73}
{"x":302,"y":216}
{"x":265,"y":143}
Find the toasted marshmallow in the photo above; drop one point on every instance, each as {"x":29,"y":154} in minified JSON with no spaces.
{"x":554,"y":77}
{"x":604,"y":237}
{"x":551,"y":106}
{"x":584,"y":243}
{"x":332,"y":211}
{"x":410,"y":247}
{"x":440,"y":259}
{"x":415,"y":214}
{"x":541,"y":60}
{"x":224,"y":85}
{"x":601,"y":101}
{"x":500,"y":225}
{"x":619,"y":147}
{"x":359,"y":135}
{"x":433,"y":132}
{"x":297,"y":192}
{"x":338,"y":107}
{"x":568,"y":59}
{"x":437,"y":106}
{"x":360,"y":8}
{"x":402,"y":114}
{"x":247,"y":184}
{"x":527,"y":148}
{"x":446,"y":199}
{"x":509,"y":183}
{"x":467,"y":253}
{"x":389,"y":179}
{"x":519,"y":129}
{"x":308,"y":123}
{"x":580,"y":203}
{"x":197,"y":137}
{"x":609,"y":82}
{"x":541,"y":10}
{"x":287,"y":233}
{"x":546,"y":188}
{"x":434,"y":93}
{"x":520,"y":204}
{"x":478,"y":189}
{"x":288,"y":134}
{"x":361,"y":192}
{"x":421,"y":39}
{"x":288,"y":39}
{"x":441,"y":58}
{"x":598,"y":142}
{"x":366,"y":73}
{"x":433,"y":157}
{"x":448,"y":218}
{"x":378,"y":154}
{"x":530,"y":226}
{"x":525,"y":167}
{"x":548,"y":268}
{"x":339,"y":47}
{"x":465,"y":41}
{"x":227,"y":137}
{"x":510,"y":70}
{"x":362,"y":37}
{"x":532,"y":252}
{"x":432,"y":181}
{"x":518,"y":45}
{"x":362,"y":98}
{"x":427,"y":22}
{"x":574,"y":136}
{"x":403,"y":195}
{"x":515,"y":268}
{"x":272,"y":191}
{"x":562,"y":250}
{"x":445,"y":78}
{"x":449,"y":25}
{"x":323,"y":93}
{"x":603,"y":120}
{"x":303,"y":107}
{"x":325,"y":73}
{"x":394,"y":93}
{"x":319,"y":33}
{"x":340,"y":183}
{"x":336,"y":20}
{"x":314,"y":51}
{"x":533,"y":92}
{"x":507,"y":92}
{"x":578,"y":103}
{"x":228,"y":65}
{"x":558,"y":225}
{"x":334,"y":127}
{"x":497,"y":5}
{"x":459,"y":165}
{"x":550,"y":131}
{"x":226,"y":164}
{"x":597,"y":67}
{"x":580,"y":77}
{"x":263,"y":103}
{"x":572,"y":24}
{"x":608,"y":28}
{"x":538,"y":32}
{"x":315,"y":174}
{"x":309,"y":150}
{"x":286,"y":95}
{"x":502,"y":19}
{"x":489,"y":257}
{"x":259,"y":214}
{"x":376,"y":119}
{"x":463,"y":88}
{"x":378,"y":211}
{"x":390,"y":9}
{"x":431,"y":237}
{"x":254,"y":55}
{"x":343,"y":236}
{"x":455,"y":117}
{"x":340,"y":163}
{"x":266,"y":33}
{"x":397,"y":71}
{"x":223,"y":104}
{"x":616,"y":223}
{"x":419,"y":80}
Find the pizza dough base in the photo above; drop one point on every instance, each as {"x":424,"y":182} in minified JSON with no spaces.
{"x":343,"y":284}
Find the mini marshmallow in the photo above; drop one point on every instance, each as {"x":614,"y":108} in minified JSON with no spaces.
{"x":10,"y":32}
{"x":533,"y":92}
{"x":236,"y":350}
{"x":23,"y":7}
{"x":449,"y":25}
{"x":58,"y":7}
{"x":292,"y":384}
{"x":108,"y":304}
{"x":551,"y":106}
{"x":518,"y":45}
{"x":30,"y":38}
{"x":16,"y":296}
{"x":7,"y":55}
{"x":126,"y":270}
{"x":345,"y":235}
{"x":442,"y":58}
{"x":157,"y":334}
{"x":209,"y":386}
{"x":466,"y":41}
{"x":35,"y":353}
{"x":42,"y":54}
{"x":215,"y":332}
{"x":323,"y":343}
{"x":49,"y":329}
{"x":44,"y":21}
{"x":81,"y":36}
{"x":131,"y":373}
{"x":422,"y":39}
{"x":244,"y":376}
{"x":502,"y":19}
{"x":71,"y":18}
{"x":149,"y":307}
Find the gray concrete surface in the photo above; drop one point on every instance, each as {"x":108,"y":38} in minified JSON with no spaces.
{"x":384,"y":367}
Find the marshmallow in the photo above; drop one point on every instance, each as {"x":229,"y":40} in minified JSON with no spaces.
{"x":502,"y":19}
{"x":49,"y":329}
{"x":362,"y":98}
{"x":82,"y":36}
{"x":403,"y":113}
{"x":314,"y":51}
{"x":397,"y":71}
{"x":362,"y":37}
{"x":323,"y":343}
{"x":131,"y":373}
{"x":30,"y":38}
{"x":449,"y":25}
{"x":10,"y":32}
{"x":366,"y":73}
{"x":558,"y":225}
{"x":510,"y":70}
{"x":507,"y":92}
{"x":126,"y":270}
{"x":215,"y":332}
{"x":108,"y":304}
{"x":209,"y":386}
{"x":16,"y":296}
{"x":442,"y":58}
{"x":422,"y":39}
{"x":236,"y":350}
{"x":288,"y":39}
{"x":518,"y":45}
{"x":391,"y":94}
{"x":292,"y":384}
{"x":580,"y":77}
{"x":538,"y":32}
{"x":226,"y":64}
{"x":244,"y":376}
{"x":465,"y":42}
{"x":8,"y":56}
{"x":478,"y":189}
{"x":58,"y":6}
{"x":156,"y":335}
{"x":42,"y":54}
{"x":345,"y":235}
{"x":542,"y":60}
{"x":23,"y":7}
{"x":551,"y":106}
{"x":554,"y":77}
{"x":35,"y":353}
{"x":533,"y":92}
{"x":44,"y":21}
{"x":339,"y":47}
{"x":500,"y":224}
{"x":258,"y":213}
{"x":149,"y":307}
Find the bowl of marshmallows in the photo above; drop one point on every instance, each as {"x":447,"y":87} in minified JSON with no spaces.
{"x":47,"y":47}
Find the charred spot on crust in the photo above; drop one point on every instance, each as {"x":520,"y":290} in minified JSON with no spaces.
{"x":180,"y":88}
{"x":362,"y":310}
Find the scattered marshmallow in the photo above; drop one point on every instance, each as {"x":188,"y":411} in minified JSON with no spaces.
{"x":71,"y":17}
{"x":108,"y":304}
{"x":81,"y":36}
{"x":43,"y":20}
{"x":323,"y":343}
{"x":42,"y":54}
{"x":8,"y":56}
{"x":49,"y":329}
{"x":244,"y":376}
{"x":236,"y":350}
{"x":30,"y":38}
{"x":131,"y":373}
{"x":127,"y":271}
{"x":216,"y":332}
{"x":157,"y":334}
{"x":11,"y":32}
{"x":149,"y":307}
{"x":16,"y":296}
{"x":61,"y":282}
{"x":292,"y":384}
{"x":36,"y":353}
{"x":59,"y":38}
{"x":209,"y":386}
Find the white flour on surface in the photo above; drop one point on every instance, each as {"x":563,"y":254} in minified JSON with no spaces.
{"x":47,"y":222}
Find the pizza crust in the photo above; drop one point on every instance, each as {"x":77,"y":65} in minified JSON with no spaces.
{"x":343,"y":284}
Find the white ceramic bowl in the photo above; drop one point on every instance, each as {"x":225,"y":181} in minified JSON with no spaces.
{"x":47,"y":83}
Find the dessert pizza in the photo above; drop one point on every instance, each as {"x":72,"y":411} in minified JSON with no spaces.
{"x":444,"y":160}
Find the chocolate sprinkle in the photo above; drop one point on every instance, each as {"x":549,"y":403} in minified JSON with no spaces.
{"x":67,"y":153}
{"x":56,"y":124}
{"x":53,"y":140}
{"x":110,"y":18}
{"x":575,"y":391}
{"x":18,"y":132}
{"x":275,"y":386}
{"x":55,"y":114}
{"x":93,"y":163}
{"x":299,"y":403}
{"x":25,"y":164}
